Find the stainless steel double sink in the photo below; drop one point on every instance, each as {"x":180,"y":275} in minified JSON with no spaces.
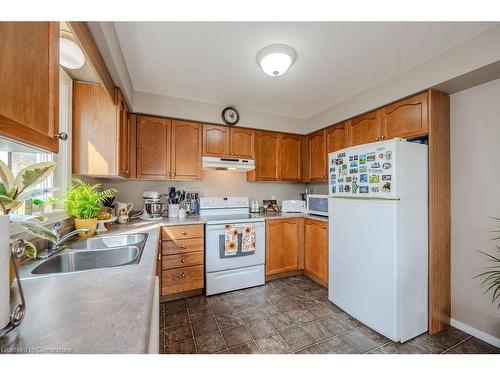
{"x":94,"y":253}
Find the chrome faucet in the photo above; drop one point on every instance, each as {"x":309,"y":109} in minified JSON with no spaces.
{"x":56,"y":246}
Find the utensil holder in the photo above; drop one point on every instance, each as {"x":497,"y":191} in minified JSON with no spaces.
{"x":173,"y":210}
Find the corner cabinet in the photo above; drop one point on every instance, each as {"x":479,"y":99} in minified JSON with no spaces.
{"x":283,"y":249}
{"x":316,"y":250}
{"x":168,"y":149}
{"x":29,"y":88}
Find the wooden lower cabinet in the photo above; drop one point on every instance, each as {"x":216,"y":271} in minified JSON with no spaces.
{"x":283,"y":249}
{"x":316,"y":250}
{"x":182,"y":260}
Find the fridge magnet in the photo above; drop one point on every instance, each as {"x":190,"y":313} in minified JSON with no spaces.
{"x":374,"y":189}
{"x":363,"y":189}
{"x":341,"y":179}
{"x":347,"y":188}
{"x":341,"y":188}
{"x":362,"y":169}
{"x":351,"y":158}
{"x":378,"y":171}
{"x":374,"y":179}
{"x":375,"y":165}
{"x":362,"y":159}
{"x":339,"y":161}
{"x":387,"y":166}
{"x":388,"y":155}
{"x":354,"y":178}
{"x":354,"y":188}
{"x":333,"y":176}
{"x":386,"y":177}
{"x":332,"y":169}
{"x":334,"y":189}
{"x":370,"y":156}
{"x":348,"y":179}
{"x":344,"y":166}
{"x":343,"y":172}
{"x":355,"y":157}
{"x":353,"y":171}
{"x":380,"y":156}
{"x":363,"y":177}
{"x":341,"y":155}
{"x":387,"y":187}
{"x":354,"y":164}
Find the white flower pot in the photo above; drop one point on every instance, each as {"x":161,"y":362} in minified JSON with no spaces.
{"x":4,"y":270}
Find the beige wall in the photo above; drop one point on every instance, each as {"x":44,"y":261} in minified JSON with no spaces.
{"x":214,"y":183}
{"x":475,"y":197}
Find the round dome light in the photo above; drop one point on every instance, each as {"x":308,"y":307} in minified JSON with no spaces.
{"x":70,"y":54}
{"x":276,"y":59}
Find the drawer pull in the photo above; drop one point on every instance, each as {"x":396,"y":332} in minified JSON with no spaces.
{"x":183,"y":246}
{"x":183,"y":274}
{"x":184,"y":233}
{"x":183,"y":260}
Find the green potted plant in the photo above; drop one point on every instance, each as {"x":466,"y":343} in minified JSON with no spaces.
{"x":84,"y":201}
{"x":490,"y":279}
{"x":13,"y":192}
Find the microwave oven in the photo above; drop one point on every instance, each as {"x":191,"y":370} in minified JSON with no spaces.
{"x":317,"y":204}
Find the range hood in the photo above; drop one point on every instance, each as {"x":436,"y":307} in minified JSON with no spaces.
{"x":228,"y":164}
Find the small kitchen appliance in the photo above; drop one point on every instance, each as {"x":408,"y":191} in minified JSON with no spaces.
{"x":317,"y":204}
{"x":153,"y":207}
{"x":228,"y":217}
{"x":293,"y":206}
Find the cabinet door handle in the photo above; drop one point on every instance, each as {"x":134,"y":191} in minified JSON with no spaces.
{"x":183,"y":246}
{"x":183,"y":260}
{"x":183,"y":274}
{"x":61,"y":136}
{"x":383,"y":137}
{"x":159,"y":255}
{"x":377,"y":138}
{"x":184,"y":233}
{"x":168,"y":174}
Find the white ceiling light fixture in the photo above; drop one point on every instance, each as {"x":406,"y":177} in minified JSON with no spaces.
{"x":276,"y":59}
{"x":70,"y":54}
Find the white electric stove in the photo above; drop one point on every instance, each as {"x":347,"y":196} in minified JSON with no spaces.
{"x":241,"y":270}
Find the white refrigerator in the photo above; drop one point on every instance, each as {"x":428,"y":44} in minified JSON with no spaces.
{"x":378,"y":236}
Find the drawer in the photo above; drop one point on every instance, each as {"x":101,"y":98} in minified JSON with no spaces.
{"x":182,"y":246}
{"x":181,"y":231}
{"x":182,"y":260}
{"x":181,"y":280}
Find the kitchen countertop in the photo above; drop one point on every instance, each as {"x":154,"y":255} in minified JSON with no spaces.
{"x":99,"y":311}
{"x":284,"y":215}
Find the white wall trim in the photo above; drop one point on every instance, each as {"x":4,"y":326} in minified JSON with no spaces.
{"x":495,"y":341}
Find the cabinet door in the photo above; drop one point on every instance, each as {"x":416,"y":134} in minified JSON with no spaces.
{"x":407,"y":118}
{"x":215,"y":140}
{"x":317,"y":157}
{"x":242,"y":143}
{"x":266,"y":157}
{"x":123,"y":136}
{"x":153,"y":148}
{"x":186,"y":150}
{"x":289,"y":158}
{"x":282,"y":245}
{"x":365,"y":128}
{"x":95,"y":131}
{"x":336,"y":137}
{"x":316,"y":249}
{"x":29,"y":85}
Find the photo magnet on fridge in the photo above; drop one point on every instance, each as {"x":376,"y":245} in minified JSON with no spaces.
{"x":374,"y":179}
{"x":362,"y":169}
{"x":341,"y":188}
{"x":341,"y":155}
{"x":348,"y":179}
{"x":370,"y":156}
{"x":355,"y":187}
{"x":380,"y":156}
{"x":334,"y":189}
{"x":388,"y":155}
{"x":374,"y":189}
{"x":363,"y":189}
{"x":375,"y":165}
{"x":353,"y":171}
{"x":387,"y":165}
{"x":363,"y":178}
{"x":362,"y":159}
{"x":354,"y":164}
{"x":387,"y":187}
{"x":386,"y":177}
{"x":347,"y":188}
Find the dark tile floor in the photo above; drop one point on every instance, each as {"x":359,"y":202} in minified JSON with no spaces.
{"x":291,"y":315}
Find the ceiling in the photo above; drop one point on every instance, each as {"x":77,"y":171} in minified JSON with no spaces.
{"x":215,"y":62}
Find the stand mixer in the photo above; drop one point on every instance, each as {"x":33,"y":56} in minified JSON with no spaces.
{"x":153,"y":207}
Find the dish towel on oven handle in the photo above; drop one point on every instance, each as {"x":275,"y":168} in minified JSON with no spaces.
{"x":248,"y":238}
{"x":230,"y":240}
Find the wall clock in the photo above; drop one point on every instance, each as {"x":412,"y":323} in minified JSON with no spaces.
{"x":230,"y":116}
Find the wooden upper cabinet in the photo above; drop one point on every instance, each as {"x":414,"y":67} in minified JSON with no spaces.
{"x":266,"y":157}
{"x":336,"y":137}
{"x":153,"y":147}
{"x":282,"y":245}
{"x":242,"y":143}
{"x":29,"y":85}
{"x":407,"y":118}
{"x":216,"y":140}
{"x":316,"y":249}
{"x":124,"y":134}
{"x":317,"y":157}
{"x":101,"y":132}
{"x":186,"y":150}
{"x":289,"y":160}
{"x":365,"y":128}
